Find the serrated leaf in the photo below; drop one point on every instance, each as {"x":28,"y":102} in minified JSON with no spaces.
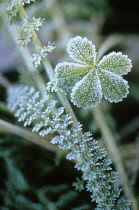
{"x":68,"y":74}
{"x":116,"y":63}
{"x":114,"y":87}
{"x":82,"y":50}
{"x":87,"y":92}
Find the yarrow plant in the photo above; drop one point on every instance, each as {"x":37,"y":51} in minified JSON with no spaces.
{"x":25,"y":31}
{"x":90,"y":80}
{"x":13,"y":8}
{"x":41,"y":52}
{"x":97,"y":173}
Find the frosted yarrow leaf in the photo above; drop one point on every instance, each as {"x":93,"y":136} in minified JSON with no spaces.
{"x":89,"y":80}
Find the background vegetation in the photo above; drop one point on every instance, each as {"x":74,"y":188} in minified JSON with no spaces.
{"x":32,"y":177}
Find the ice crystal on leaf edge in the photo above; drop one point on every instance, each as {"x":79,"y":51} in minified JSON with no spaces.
{"x":89,"y":80}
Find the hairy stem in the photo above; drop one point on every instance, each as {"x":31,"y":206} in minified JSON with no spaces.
{"x":114,"y":151}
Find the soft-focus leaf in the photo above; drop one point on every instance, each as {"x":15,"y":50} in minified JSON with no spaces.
{"x":113,"y":86}
{"x":116,"y":63}
{"x":82,"y":50}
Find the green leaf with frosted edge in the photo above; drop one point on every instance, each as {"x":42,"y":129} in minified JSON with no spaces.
{"x":116,"y":63}
{"x":89,"y":80}
{"x":68,"y":74}
{"x":87,"y":92}
{"x":82,"y":50}
{"x":114,"y":87}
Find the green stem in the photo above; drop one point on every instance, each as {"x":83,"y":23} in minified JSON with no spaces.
{"x":24,"y":52}
{"x":48,"y":68}
{"x":114,"y":151}
{"x":32,"y":137}
{"x":47,"y":65}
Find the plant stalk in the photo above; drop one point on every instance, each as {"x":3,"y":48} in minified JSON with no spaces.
{"x":114,"y":151}
{"x":48,"y":68}
{"x":32,"y":137}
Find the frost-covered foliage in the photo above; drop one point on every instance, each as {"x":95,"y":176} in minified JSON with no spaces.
{"x":41,"y":52}
{"x":97,"y":173}
{"x":13,"y":8}
{"x":90,"y":80}
{"x":27,"y":29}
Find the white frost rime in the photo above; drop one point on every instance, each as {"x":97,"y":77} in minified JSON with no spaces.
{"x":89,"y":80}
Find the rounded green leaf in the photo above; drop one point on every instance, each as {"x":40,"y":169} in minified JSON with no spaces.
{"x":114,"y":87}
{"x":87,"y":92}
{"x":88,"y":80}
{"x":68,"y":74}
{"x":82,"y":50}
{"x":116,"y":63}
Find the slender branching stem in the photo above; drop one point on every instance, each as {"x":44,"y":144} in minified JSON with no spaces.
{"x":24,"y":52}
{"x":114,"y":151}
{"x":47,"y":65}
{"x":48,"y":68}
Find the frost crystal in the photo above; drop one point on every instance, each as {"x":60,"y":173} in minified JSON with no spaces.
{"x":89,"y":80}
{"x":41,"y":52}
{"x":26,"y":31}
{"x":12,"y":8}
